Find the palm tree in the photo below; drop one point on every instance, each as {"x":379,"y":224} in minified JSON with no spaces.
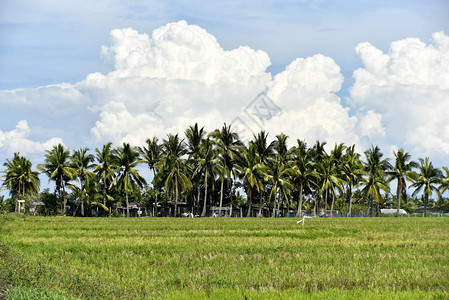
{"x":280,"y":147}
{"x":318,"y":153}
{"x":209,"y":166}
{"x":20,"y":179}
{"x":426,"y":179}
{"x":57,"y":167}
{"x":105,"y":169}
{"x":151,"y":156}
{"x":279,"y":175}
{"x":352,"y":169}
{"x":375,"y":181}
{"x":444,"y":184}
{"x":195,"y":137}
{"x":128,"y":176}
{"x":227,"y":142}
{"x":401,"y":172}
{"x":329,"y":180}
{"x":304,"y":173}
{"x":82,"y":163}
{"x":250,"y":171}
{"x":174,"y":168}
{"x":264,"y":151}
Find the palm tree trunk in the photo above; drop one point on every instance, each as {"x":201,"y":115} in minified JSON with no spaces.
{"x":260,"y":204}
{"x":221,"y":195}
{"x":105,"y":192}
{"x":350,"y":200}
{"x":325,"y":201}
{"x":299,"y":213}
{"x":203,"y":214}
{"x":275,"y":206}
{"x":248,"y":214}
{"x":398,"y":197}
{"x":332,"y":205}
{"x":175,"y":213}
{"x":370,"y":205}
{"x":64,"y":199}
{"x":426,"y":199}
{"x":198,"y":200}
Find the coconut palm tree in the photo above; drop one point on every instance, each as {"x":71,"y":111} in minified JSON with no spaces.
{"x":174,"y":168}
{"x":82,"y":162}
{"x":264,"y":151}
{"x":209,"y":166}
{"x":195,"y":137}
{"x":444,"y":184}
{"x":401,"y":171}
{"x":105,"y":169}
{"x":151,"y":154}
{"x":251,"y":171}
{"x":20,"y":179}
{"x":318,"y":153}
{"x":57,"y":167}
{"x":281,"y":149}
{"x":426,"y":180}
{"x":128,"y":176}
{"x":375,"y":180}
{"x":329,"y":178}
{"x":304,"y":173}
{"x":352,"y":171}
{"x":227,"y":143}
{"x":279,"y":174}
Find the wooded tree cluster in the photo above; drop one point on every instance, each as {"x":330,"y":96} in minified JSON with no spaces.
{"x":210,"y":169}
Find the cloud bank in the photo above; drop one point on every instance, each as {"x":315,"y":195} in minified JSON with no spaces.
{"x":164,"y":82}
{"x":409,"y":88}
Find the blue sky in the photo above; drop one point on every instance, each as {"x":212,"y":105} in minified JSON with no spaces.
{"x":314,"y":63}
{"x":48,"y":42}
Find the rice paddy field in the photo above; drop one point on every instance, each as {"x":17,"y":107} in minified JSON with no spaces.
{"x":224,"y":258}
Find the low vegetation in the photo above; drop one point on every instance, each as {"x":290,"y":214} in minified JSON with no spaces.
{"x":129,"y":258}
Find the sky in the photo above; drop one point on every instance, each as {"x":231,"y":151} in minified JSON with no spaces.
{"x":84,"y":73}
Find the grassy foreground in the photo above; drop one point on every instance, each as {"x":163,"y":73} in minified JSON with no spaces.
{"x":374,"y":258}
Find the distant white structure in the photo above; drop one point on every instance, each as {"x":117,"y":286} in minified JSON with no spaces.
{"x":392,"y":211}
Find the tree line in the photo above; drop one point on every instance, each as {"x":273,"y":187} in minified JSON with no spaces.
{"x":210,"y":169}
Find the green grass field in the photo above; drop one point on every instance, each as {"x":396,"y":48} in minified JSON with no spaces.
{"x":221,"y":258}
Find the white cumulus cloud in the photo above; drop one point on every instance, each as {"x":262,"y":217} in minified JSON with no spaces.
{"x":409,"y":88}
{"x":17,"y":140}
{"x":179,"y":75}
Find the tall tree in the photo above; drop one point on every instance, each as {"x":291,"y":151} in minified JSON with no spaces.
{"x":279,"y":174}
{"x":174,"y":168}
{"x":128,"y":176}
{"x":82,"y":163}
{"x":352,"y":169}
{"x":57,"y":167}
{"x":195,"y":137}
{"x":105,"y":169}
{"x":151,"y":154}
{"x":209,"y":166}
{"x":330,"y":180}
{"x":227,"y":142}
{"x":251,"y":172}
{"x":401,"y":172}
{"x":444,"y":184}
{"x":264,"y":151}
{"x":304,"y":174}
{"x":375,"y":180}
{"x":426,"y":180}
{"x":20,"y":179}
